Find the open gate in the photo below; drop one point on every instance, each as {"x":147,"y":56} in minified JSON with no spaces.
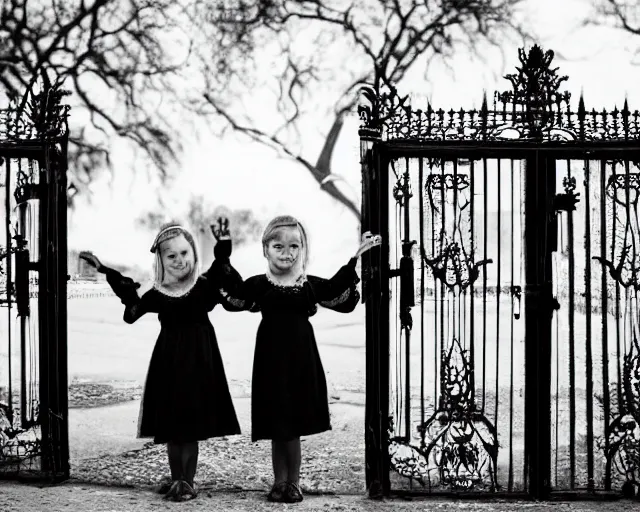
{"x":33,"y":287}
{"x":502,"y":311}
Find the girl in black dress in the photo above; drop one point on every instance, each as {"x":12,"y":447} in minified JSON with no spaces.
{"x":289,"y":390}
{"x":186,"y":397}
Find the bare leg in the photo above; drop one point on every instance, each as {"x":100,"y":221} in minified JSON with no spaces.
{"x":294,"y":459}
{"x":279,"y":460}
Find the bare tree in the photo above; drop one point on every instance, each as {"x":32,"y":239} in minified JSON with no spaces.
{"x":623,"y":14}
{"x":320,"y":52}
{"x":120,"y":59}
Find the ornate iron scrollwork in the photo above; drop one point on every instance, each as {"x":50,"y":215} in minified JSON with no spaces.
{"x":462,"y":443}
{"x":622,"y":445}
{"x":458,"y":442}
{"x":453,"y":265}
{"x":535,"y":108}
{"x":41,"y":115}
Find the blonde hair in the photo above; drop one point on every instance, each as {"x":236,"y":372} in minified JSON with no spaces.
{"x":168,"y":232}
{"x":286,"y":221}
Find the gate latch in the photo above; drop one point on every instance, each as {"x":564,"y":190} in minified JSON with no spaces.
{"x":567,"y":201}
{"x":516,"y":292}
{"x":407,"y":294}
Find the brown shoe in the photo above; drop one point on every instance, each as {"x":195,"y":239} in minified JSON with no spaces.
{"x":277,"y":492}
{"x":293,"y":493}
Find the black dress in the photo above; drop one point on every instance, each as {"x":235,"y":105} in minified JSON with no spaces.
{"x":186,"y":396}
{"x":288,"y":388}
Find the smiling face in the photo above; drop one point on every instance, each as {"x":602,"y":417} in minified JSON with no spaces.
{"x":283,"y":250}
{"x":177,"y":258}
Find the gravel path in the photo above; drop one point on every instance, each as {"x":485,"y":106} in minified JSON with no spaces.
{"x":332,"y":462}
{"x":92,"y":498}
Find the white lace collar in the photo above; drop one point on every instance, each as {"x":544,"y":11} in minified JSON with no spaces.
{"x":175,"y":293}
{"x":300,"y":280}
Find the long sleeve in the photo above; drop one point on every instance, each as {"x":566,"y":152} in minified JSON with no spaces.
{"x":238,"y":295}
{"x":340,"y":292}
{"x":221,"y":274}
{"x":133,"y":311}
{"x":125,"y":288}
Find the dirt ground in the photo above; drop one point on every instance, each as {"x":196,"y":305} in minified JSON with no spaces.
{"x":89,"y":498}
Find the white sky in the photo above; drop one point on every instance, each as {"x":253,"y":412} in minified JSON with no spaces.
{"x":241,"y":174}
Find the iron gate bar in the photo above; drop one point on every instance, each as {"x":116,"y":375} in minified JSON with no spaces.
{"x":422,"y":274}
{"x":484,"y":283}
{"x":437,"y":291}
{"x":442,"y":286}
{"x":375,"y":289}
{"x":572,"y":373}
{"x":472,"y":181}
{"x":604,"y":296}
{"x":540,"y":184}
{"x":499,"y":266}
{"x":9,"y":284}
{"x":511,"y":387}
{"x":589,"y":358}
{"x":406,"y":305}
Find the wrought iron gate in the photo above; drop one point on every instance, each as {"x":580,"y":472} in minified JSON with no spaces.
{"x":33,"y":283}
{"x":502,"y":312}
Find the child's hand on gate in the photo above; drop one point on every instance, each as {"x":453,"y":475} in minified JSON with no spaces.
{"x":92,"y":260}
{"x":369,"y":241}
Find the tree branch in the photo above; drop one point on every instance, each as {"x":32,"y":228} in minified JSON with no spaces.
{"x":321,"y":171}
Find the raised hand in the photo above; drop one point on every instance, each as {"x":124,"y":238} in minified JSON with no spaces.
{"x":91,"y":259}
{"x":220,"y":229}
{"x":369,"y":241}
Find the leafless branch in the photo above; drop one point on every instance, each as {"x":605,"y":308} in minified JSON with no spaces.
{"x":115,"y":56}
{"x":372,"y":42}
{"x":320,"y":171}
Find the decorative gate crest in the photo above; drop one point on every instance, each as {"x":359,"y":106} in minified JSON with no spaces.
{"x":534,"y":109}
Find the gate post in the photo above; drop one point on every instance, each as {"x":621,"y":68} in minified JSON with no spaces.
{"x":375,"y":291}
{"x":540,"y":240}
{"x":52,"y":305}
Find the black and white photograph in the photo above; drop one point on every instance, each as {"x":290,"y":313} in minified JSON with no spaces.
{"x":319,"y":255}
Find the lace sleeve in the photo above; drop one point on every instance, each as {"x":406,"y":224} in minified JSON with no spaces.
{"x":340,"y":293}
{"x":240,"y":295}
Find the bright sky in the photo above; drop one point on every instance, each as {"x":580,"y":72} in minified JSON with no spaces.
{"x":240,"y":174}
